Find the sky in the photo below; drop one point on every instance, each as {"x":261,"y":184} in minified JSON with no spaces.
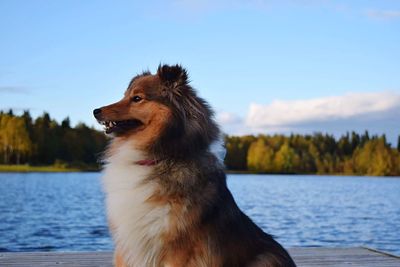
{"x":265,"y":66}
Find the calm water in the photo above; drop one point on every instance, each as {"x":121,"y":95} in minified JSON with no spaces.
{"x":64,"y":211}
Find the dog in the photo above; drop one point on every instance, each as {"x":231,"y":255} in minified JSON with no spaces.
{"x":166,"y":194}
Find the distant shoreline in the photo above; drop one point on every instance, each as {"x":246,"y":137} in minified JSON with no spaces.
{"x":308,"y":174}
{"x":46,"y":168}
{"x":55,"y":169}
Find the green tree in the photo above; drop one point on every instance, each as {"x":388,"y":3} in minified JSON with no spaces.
{"x":237,"y":150}
{"x":22,"y":144}
{"x":355,"y":140}
{"x":5,"y":136}
{"x":365,"y":138}
{"x":374,"y":158}
{"x":14,"y":138}
{"x":66,"y":124}
{"x":344,"y":146}
{"x":260,"y":157}
{"x":46,"y":139}
{"x":286,"y":160}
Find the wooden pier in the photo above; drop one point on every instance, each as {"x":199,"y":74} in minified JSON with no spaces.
{"x":304,"y":257}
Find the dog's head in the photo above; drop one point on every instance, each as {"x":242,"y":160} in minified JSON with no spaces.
{"x":162,"y":113}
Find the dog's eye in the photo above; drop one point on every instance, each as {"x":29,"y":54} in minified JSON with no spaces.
{"x":136,"y":98}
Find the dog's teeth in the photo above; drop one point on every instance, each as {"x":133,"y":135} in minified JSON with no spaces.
{"x":114,"y":123}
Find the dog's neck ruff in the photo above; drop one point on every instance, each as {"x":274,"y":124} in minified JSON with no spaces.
{"x":146,"y":162}
{"x":137,"y":224}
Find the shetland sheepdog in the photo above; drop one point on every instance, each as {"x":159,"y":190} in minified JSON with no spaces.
{"x":166,"y":195}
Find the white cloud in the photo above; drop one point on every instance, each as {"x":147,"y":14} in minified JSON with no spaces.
{"x":377,"y":112}
{"x":296,"y":112}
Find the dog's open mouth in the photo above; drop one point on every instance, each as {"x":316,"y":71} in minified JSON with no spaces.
{"x":119,"y":127}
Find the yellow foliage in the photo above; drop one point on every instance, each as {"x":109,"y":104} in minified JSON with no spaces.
{"x":259,"y":157}
{"x":286,"y":159}
{"x":14,"y":137}
{"x":374,"y":158}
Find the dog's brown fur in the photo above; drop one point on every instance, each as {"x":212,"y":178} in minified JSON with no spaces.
{"x":205,"y":226}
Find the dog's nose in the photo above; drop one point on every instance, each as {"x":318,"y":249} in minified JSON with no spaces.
{"x":97,"y":111}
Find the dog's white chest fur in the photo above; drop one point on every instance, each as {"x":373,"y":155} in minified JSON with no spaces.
{"x":136,"y":225}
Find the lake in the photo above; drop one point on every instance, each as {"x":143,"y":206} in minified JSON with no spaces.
{"x":64,"y":211}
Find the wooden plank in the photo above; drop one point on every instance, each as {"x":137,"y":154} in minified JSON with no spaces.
{"x":338,"y":257}
{"x":304,"y":257}
{"x":47,"y":259}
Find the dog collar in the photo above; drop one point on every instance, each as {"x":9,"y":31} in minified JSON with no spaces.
{"x":146,"y":162}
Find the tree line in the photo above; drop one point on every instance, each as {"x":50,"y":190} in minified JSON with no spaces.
{"x":351,"y":154}
{"x":44,"y":141}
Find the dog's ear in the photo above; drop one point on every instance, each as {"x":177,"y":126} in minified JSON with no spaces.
{"x":172,"y":76}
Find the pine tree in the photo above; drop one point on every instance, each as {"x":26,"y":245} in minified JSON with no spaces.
{"x":66,"y":124}
{"x":365,"y":138}
{"x":384,"y":140}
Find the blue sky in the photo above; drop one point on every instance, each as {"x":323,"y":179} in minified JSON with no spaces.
{"x":264,"y":65}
